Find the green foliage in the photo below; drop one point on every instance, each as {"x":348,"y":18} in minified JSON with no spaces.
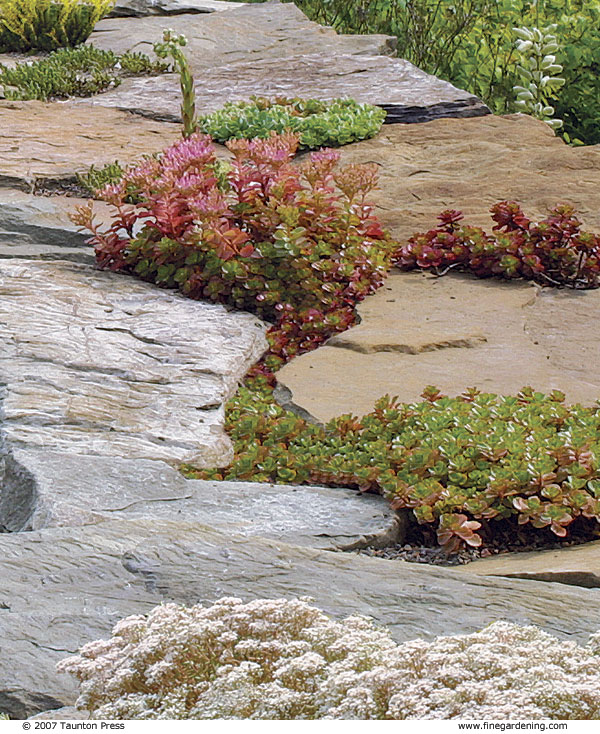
{"x":538,"y":69}
{"x":459,"y":464}
{"x":46,"y":25}
{"x":332,"y":123}
{"x":95,"y":179}
{"x":471,"y":43}
{"x":78,"y":72}
{"x":172,"y":46}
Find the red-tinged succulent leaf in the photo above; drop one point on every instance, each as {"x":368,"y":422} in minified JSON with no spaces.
{"x":450,"y":216}
{"x":455,"y":528}
{"x":246,"y":251}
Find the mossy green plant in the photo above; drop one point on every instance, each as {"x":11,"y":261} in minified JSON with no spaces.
{"x":47,"y":25}
{"x":95,"y":179}
{"x":78,"y":72}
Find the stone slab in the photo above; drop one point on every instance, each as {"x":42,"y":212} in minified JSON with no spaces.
{"x":453,"y":332}
{"x":470,"y":164}
{"x":51,"y":142}
{"x":250,"y":32}
{"x":38,"y":227}
{"x":577,"y":565}
{"x":103,"y":364}
{"x":47,"y":491}
{"x":65,"y":586}
{"x":142,"y":8}
{"x":404,"y":91}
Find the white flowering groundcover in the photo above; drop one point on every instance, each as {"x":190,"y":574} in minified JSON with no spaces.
{"x":285,"y":659}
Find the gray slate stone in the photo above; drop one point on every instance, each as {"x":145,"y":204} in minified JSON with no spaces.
{"x":44,"y":488}
{"x":247,"y":33}
{"x":273,"y":49}
{"x":62,"y":587}
{"x":37,"y":227}
{"x":101,"y":364}
{"x":143,"y":8}
{"x":404,"y":91}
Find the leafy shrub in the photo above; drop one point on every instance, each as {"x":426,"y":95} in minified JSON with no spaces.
{"x":461,"y":465}
{"x":285,"y":659}
{"x":297,"y":245}
{"x":471,"y":43}
{"x":46,"y":25}
{"x":553,"y":252}
{"x":79,"y":72}
{"x":318,"y":123}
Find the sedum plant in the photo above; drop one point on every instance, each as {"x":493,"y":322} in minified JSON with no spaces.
{"x":318,"y":123}
{"x":95,"y":179}
{"x":296,"y":244}
{"x":553,"y":252}
{"x":466,"y":469}
{"x":78,"y":72}
{"x":538,"y":70}
{"x":286,"y":659}
{"x":46,"y":25}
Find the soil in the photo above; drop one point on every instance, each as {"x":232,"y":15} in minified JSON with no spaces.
{"x":61,"y":188}
{"x":422,"y":548}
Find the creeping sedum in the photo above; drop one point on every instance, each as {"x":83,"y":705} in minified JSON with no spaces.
{"x":74,"y":72}
{"x":317,"y":122}
{"x":285,"y":659}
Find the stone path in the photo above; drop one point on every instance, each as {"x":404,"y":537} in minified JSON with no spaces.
{"x":453,"y":332}
{"x":246,"y":33}
{"x":472,"y":164}
{"x":38,"y":227}
{"x":101,"y":364}
{"x":142,"y":8}
{"x":48,"y":143}
{"x":404,"y":91}
{"x":577,"y":565}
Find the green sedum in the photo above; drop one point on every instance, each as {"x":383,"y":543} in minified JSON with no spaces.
{"x":459,"y":465}
{"x":78,"y":72}
{"x":319,"y":123}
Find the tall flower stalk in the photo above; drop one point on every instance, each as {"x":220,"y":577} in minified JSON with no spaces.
{"x":172,"y":46}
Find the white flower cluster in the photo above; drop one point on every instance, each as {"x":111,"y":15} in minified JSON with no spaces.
{"x":285,"y":659}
